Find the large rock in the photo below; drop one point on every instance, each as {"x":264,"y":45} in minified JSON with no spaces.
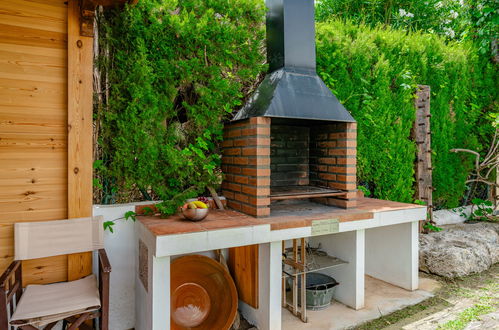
{"x":460,"y":250}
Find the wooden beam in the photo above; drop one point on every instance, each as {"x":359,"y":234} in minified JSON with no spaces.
{"x":80,"y":98}
{"x":87,"y":16}
{"x":87,"y":13}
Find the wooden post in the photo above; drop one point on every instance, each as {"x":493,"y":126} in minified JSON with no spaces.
{"x":80,"y":98}
{"x":494,"y":190}
{"x":422,"y":137}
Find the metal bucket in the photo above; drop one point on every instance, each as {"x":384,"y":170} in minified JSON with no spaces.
{"x":319,"y":292}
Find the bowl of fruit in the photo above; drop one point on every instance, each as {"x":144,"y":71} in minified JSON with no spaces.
{"x":195,"y":210}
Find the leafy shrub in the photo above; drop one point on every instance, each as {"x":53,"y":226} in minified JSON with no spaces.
{"x":174,"y":71}
{"x":482,"y":210}
{"x":374,"y":72}
{"x":475,"y":20}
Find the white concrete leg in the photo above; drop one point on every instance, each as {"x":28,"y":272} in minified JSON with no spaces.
{"x":268,"y":314}
{"x":348,"y":246}
{"x":153,"y":307}
{"x":392,"y":254}
{"x":161,"y":293}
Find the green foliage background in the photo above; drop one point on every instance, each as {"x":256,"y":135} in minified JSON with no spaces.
{"x":475,"y":20}
{"x":173,"y":70}
{"x":374,"y":72}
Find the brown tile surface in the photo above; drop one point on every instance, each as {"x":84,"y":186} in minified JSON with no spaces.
{"x":171,"y":225}
{"x":225,"y":219}
{"x":286,"y":222}
{"x":379,"y":205}
{"x":218,"y":219}
{"x":176,"y":224}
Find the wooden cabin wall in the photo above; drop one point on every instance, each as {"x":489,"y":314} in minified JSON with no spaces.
{"x":35,"y":117}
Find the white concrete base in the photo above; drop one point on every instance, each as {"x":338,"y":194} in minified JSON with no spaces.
{"x":153,"y":311}
{"x":392,"y":254}
{"x":348,"y":246}
{"x":133,"y":306}
{"x":381,"y":297}
{"x":267,"y":316}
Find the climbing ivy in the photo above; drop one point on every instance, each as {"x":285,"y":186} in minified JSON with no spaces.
{"x":172,"y":72}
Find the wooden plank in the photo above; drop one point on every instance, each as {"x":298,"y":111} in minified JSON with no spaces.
{"x":11,"y":158}
{"x":24,"y":195}
{"x":11,"y":193}
{"x":45,"y":175}
{"x":80,"y":98}
{"x":35,"y":215}
{"x":55,"y":8}
{"x":56,"y":54}
{"x":24,"y":142}
{"x":28,"y":93}
{"x":243,"y":266}
{"x":11,"y":34}
{"x":32,"y":15}
{"x":6,"y":245}
{"x":45,"y":270}
{"x":32,"y":67}
{"x":54,"y":3}
{"x":79,"y":265}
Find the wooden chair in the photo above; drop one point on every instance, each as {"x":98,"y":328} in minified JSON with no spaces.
{"x":44,"y":305}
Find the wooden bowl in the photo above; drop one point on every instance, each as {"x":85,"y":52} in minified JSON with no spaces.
{"x":203,"y":296}
{"x":195,"y":214}
{"x":193,"y":305}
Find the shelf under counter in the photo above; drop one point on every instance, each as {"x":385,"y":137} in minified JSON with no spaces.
{"x":320,"y":263}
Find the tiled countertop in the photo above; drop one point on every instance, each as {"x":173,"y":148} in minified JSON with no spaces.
{"x":284,"y":217}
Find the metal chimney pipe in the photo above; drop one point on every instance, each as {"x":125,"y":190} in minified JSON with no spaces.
{"x":290,"y":34}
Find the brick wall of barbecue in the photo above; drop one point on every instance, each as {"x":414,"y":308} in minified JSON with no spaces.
{"x":289,"y":153}
{"x":333,"y":161}
{"x":246,"y":166}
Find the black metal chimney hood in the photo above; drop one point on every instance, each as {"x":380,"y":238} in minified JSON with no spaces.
{"x":292,"y":89}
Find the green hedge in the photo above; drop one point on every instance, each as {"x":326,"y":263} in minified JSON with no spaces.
{"x":374,"y":72}
{"x":175,"y":70}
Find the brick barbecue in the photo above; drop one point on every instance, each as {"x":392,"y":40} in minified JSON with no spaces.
{"x":293,"y":140}
{"x":265,"y":162}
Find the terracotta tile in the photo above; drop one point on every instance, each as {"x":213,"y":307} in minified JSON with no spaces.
{"x":379,"y":205}
{"x":218,"y":219}
{"x":356,"y":216}
{"x":287,"y":223}
{"x":211,"y":224}
{"x":172,"y":225}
